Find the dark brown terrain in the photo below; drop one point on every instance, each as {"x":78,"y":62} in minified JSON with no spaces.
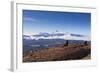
{"x":69,"y":52}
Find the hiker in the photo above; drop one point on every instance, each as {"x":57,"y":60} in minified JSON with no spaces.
{"x":85,"y":43}
{"x":66,"y":44}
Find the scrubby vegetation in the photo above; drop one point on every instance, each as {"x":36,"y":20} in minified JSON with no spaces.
{"x":58,"y":53}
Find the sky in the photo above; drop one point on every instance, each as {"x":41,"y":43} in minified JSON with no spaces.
{"x":52,"y":21}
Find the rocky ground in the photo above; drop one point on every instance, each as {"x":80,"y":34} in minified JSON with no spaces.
{"x":70,"y":52}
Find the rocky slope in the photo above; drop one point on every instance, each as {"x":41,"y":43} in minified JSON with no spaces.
{"x":70,"y":52}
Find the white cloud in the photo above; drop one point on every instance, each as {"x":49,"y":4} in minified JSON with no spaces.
{"x":66,"y":36}
{"x":29,"y":19}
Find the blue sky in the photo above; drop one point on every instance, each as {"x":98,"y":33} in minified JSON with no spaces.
{"x":50,"y":21}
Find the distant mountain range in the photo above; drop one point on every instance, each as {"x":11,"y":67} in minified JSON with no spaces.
{"x":45,"y":40}
{"x":57,"y":35}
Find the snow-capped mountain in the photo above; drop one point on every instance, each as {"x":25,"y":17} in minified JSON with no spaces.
{"x":57,"y":35}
